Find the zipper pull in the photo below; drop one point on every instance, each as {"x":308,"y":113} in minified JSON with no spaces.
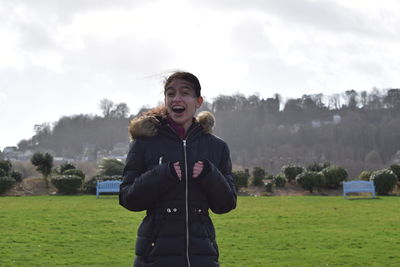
{"x":160,"y":161}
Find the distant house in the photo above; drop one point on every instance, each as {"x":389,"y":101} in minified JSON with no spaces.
{"x":316,"y":123}
{"x":10,"y":152}
{"x":10,"y":149}
{"x":24,"y":155}
{"x":337,"y":119}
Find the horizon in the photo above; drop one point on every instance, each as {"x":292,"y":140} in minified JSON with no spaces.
{"x":325,"y":101}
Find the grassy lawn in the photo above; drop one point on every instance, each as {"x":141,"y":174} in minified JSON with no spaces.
{"x":262,"y":231}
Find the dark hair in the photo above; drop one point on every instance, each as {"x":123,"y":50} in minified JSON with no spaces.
{"x":187,"y":76}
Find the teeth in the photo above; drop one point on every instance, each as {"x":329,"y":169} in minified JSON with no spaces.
{"x":178,"y":109}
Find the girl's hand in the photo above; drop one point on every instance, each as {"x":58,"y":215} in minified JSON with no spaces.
{"x":178,"y":170}
{"x":197,"y":169}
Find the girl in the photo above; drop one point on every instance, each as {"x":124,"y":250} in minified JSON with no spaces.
{"x":177,"y":170}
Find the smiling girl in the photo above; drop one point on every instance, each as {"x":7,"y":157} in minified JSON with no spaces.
{"x":177,"y":171}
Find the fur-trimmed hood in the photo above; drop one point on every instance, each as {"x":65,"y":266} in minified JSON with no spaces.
{"x":146,"y":125}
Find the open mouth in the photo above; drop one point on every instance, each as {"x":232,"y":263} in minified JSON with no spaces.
{"x":178,"y":109}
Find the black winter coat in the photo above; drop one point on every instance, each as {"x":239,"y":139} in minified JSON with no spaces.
{"x":177,"y":230}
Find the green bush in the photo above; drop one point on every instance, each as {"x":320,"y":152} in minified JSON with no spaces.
{"x":6,"y":183}
{"x":373,"y":157}
{"x":365,"y":175}
{"x":269,"y":187}
{"x":258,"y":176}
{"x":279,"y":180}
{"x":16,"y":175}
{"x":110,"y":167}
{"x":67,"y":184}
{"x":5,"y":167}
{"x":44,"y":164}
{"x":89,"y":187}
{"x":240,"y":178}
{"x":317,"y":167}
{"x":291,"y":171}
{"x":384,"y":181}
{"x":334,"y":175}
{"x":64,"y":167}
{"x":311,"y":180}
{"x":395,"y":168}
{"x":74,"y":172}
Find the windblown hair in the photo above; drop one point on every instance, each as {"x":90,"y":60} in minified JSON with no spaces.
{"x":186,"y":76}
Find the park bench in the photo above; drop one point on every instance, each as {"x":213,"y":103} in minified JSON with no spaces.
{"x":109,"y":186}
{"x":358,"y":186}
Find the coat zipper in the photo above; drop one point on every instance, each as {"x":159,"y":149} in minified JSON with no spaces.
{"x":186,"y":204}
{"x":186,"y":194}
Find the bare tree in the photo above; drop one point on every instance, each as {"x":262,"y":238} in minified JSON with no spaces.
{"x":120,"y":110}
{"x":106,"y":107}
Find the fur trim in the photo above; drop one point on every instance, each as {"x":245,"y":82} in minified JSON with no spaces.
{"x":206,"y":120}
{"x":146,"y":124}
{"x":143,"y":126}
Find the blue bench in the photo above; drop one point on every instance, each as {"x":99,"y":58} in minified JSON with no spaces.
{"x":358,"y":186}
{"x":109,"y":186}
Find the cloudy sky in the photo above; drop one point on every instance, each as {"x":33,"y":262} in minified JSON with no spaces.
{"x":61,"y":57}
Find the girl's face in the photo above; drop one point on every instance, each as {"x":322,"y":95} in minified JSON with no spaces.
{"x":181,"y":102}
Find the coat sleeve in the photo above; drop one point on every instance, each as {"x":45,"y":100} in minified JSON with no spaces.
{"x":140,"y":189}
{"x":217,"y":182}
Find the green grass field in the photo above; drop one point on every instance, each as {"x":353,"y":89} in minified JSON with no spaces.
{"x":262,"y":231}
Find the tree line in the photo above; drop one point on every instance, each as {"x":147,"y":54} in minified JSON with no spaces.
{"x":356,"y":130}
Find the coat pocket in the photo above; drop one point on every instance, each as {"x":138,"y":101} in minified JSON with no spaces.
{"x":148,"y":233}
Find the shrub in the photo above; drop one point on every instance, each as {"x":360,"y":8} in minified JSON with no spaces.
{"x":279,"y":180}
{"x":6,"y":183}
{"x":291,"y":171}
{"x":258,"y":176}
{"x":317,"y":167}
{"x":311,"y":180}
{"x":395,"y":168}
{"x":384,"y":181}
{"x":5,"y":165}
{"x":334,"y":175}
{"x":74,"y":172}
{"x":64,"y":167}
{"x":16,"y":175}
{"x":240,"y":178}
{"x":110,"y":167}
{"x":67,"y":184}
{"x":89,"y":187}
{"x":365,"y":175}
{"x":269,"y":187}
{"x":44,"y":164}
{"x":373,"y":157}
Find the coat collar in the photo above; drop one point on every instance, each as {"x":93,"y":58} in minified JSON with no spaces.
{"x":148,"y":125}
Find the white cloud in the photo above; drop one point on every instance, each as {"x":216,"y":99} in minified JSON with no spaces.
{"x":80,"y":51}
